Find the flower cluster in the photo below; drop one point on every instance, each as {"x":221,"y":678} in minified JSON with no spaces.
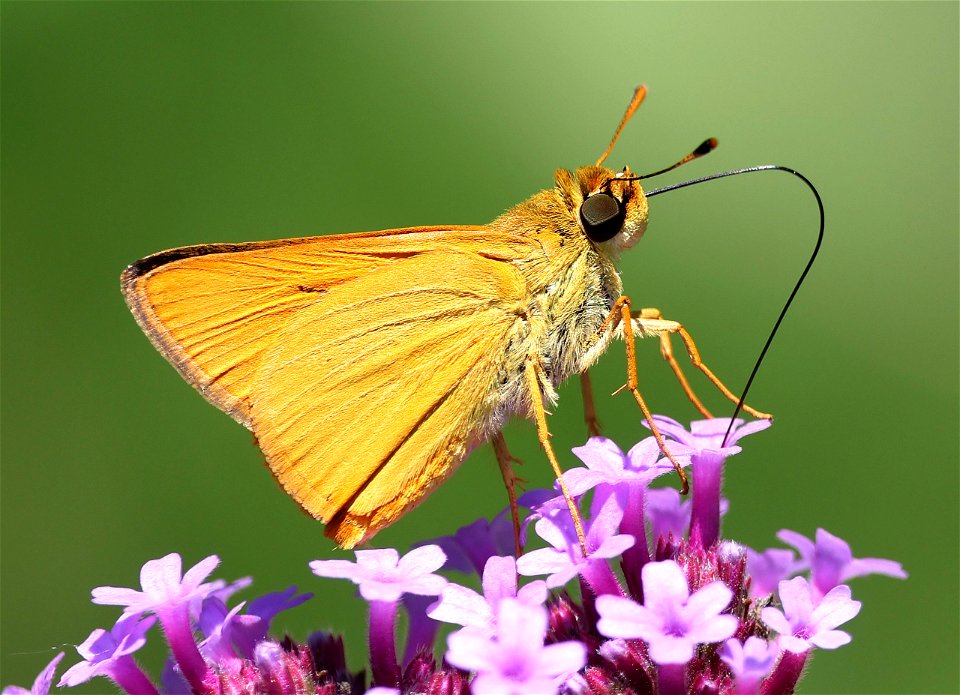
{"x":665,"y":604}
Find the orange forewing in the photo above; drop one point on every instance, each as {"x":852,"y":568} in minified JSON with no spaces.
{"x":213,"y":309}
{"x":306,"y":340}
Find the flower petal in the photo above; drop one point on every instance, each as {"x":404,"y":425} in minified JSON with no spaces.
{"x":468,"y":650}
{"x":561,"y":658}
{"x":499,"y":578}
{"x":834,"y":609}
{"x":716,"y":629}
{"x":534,"y":593}
{"x":663,"y":582}
{"x":793,"y":644}
{"x":796,"y":599}
{"x":378,"y":560}
{"x":158,"y":577}
{"x":422,"y":560}
{"x":543,"y":561}
{"x":708,"y":601}
{"x":667,"y":649}
{"x":116,"y":596}
{"x":775,"y":620}
{"x":194,"y":576}
{"x":622,"y":617}
{"x":860,"y":567}
{"x":830,"y":639}
{"x":462,"y":606}
{"x":334,"y":569}
{"x":601,"y":455}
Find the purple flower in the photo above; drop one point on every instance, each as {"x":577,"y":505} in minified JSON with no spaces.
{"x":217,"y":623}
{"x":708,"y":435}
{"x":749,"y":662}
{"x":671,"y":620}
{"x":611,"y":471}
{"x":162,"y":586}
{"x":469,"y":548}
{"x":220,"y":589}
{"x":710,"y":446}
{"x":565,"y":559}
{"x":768,"y":568}
{"x":463,"y":606}
{"x":384,"y":576}
{"x":608,"y":465}
{"x":831,"y":561}
{"x":170,"y":596}
{"x":41,"y":685}
{"x":251,"y":628}
{"x":806,"y":622}
{"x":108,"y":654}
{"x":515,"y":661}
{"x":668,"y":513}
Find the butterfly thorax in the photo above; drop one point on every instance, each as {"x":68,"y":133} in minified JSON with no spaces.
{"x":572,"y":282}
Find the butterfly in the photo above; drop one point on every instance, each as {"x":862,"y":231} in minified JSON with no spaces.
{"x":369,"y":365}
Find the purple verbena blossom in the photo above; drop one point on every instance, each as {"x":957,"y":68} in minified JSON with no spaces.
{"x":667,"y":513}
{"x":163,"y":587}
{"x":469,"y":548}
{"x":169,"y":595}
{"x":383,"y":577}
{"x":253,"y":626}
{"x":768,"y":568}
{"x":41,"y":685}
{"x":217,"y":623}
{"x":515,"y":661}
{"x":463,"y":606}
{"x":607,"y":465}
{"x":710,"y":446}
{"x":831,"y":561}
{"x":610,"y":471}
{"x":109,"y":654}
{"x":749,"y":662}
{"x":565,"y":559}
{"x":708,"y":435}
{"x":220,"y":589}
{"x":671,"y":620}
{"x":807,"y":620}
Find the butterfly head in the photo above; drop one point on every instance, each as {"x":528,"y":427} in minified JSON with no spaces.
{"x":610,"y":207}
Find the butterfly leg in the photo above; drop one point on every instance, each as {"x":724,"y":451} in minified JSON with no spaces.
{"x":510,"y":479}
{"x":533,"y":372}
{"x":620,"y":315}
{"x":589,"y":410}
{"x":651,"y":322}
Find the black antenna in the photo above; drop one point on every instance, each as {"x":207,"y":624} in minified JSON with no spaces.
{"x":796,"y":288}
{"x":705,"y":147}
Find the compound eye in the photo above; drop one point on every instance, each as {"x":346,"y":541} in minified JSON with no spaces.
{"x":602,"y":216}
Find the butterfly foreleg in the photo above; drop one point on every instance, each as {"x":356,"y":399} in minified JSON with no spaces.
{"x":534,"y":376}
{"x":620,"y":315}
{"x":651,"y":322}
{"x":510,"y":479}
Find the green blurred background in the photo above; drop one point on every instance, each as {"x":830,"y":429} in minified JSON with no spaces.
{"x":131,"y":128}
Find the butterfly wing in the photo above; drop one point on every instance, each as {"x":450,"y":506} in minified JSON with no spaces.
{"x":371,"y":396}
{"x":367,"y":365}
{"x":212,"y":310}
